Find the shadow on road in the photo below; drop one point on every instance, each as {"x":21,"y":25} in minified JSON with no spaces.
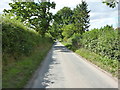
{"x":61,"y":48}
{"x":40,"y":78}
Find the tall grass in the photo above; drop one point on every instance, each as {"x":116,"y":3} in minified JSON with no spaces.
{"x":105,"y":63}
{"x":17,"y":74}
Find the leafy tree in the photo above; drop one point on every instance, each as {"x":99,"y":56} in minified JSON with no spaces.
{"x":54,"y":30}
{"x":68,"y":30}
{"x":103,"y":41}
{"x":81,"y":17}
{"x":37,"y":14}
{"x":61,"y":18}
{"x":64,"y":16}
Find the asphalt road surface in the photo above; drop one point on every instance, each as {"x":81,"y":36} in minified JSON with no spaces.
{"x":64,"y":69}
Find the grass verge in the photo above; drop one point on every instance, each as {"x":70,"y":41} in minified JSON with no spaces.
{"x":104,"y":63}
{"x":17,"y":74}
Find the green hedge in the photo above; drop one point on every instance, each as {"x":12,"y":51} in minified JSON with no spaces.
{"x":23,"y":51}
{"x":17,"y":39}
{"x":102,"y":41}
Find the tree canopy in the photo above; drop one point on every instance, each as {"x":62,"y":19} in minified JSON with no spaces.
{"x":69,"y":22}
{"x":37,"y":14}
{"x":64,"y":16}
{"x":81,"y":17}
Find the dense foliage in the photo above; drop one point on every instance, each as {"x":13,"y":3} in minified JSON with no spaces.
{"x":81,"y":17}
{"x":68,"y":22}
{"x":68,"y":31}
{"x":64,"y":16}
{"x":18,"y":73}
{"x":37,"y":14}
{"x":103,"y":41}
{"x":17,"y":39}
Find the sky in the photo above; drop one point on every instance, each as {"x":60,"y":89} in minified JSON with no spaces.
{"x":100,"y":14}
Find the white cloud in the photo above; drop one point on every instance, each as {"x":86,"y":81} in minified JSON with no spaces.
{"x":102,"y":15}
{"x":98,"y":23}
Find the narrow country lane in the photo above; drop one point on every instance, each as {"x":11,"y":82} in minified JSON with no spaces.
{"x":64,"y":69}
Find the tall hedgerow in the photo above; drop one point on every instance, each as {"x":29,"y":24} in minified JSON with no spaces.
{"x":17,"y":39}
{"x":103,"y":41}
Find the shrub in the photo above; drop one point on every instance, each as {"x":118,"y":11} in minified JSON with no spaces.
{"x":103,"y":41}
